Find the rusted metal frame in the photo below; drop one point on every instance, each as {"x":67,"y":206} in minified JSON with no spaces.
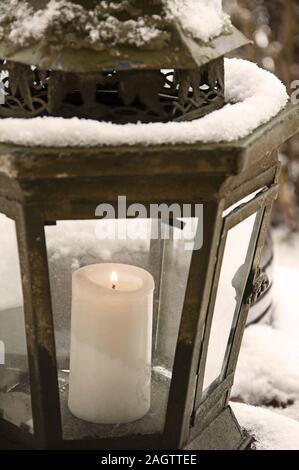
{"x":78,"y":209}
{"x":268,"y":137}
{"x":42,"y":163}
{"x":240,"y":327}
{"x":247,"y":439}
{"x":238,"y":311}
{"x":181,"y":396}
{"x":128,"y":442}
{"x":237,"y":216}
{"x":82,"y":210}
{"x":208,"y":322}
{"x":211,"y":406}
{"x":214,"y":72}
{"x":26,"y":89}
{"x":249,"y":208}
{"x":77,"y":192}
{"x":221,"y":433}
{"x":14,"y":436}
{"x":250,"y":184}
{"x":225,"y":381}
{"x":10,"y":208}
{"x":39,"y":327}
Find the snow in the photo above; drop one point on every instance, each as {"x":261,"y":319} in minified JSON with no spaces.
{"x":253,"y":97}
{"x":271,"y":431}
{"x":23,"y":25}
{"x":268,"y":373}
{"x":268,"y":367}
{"x":202,"y":19}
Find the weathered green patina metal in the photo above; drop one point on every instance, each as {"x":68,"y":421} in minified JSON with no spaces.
{"x":67,"y":43}
{"x":32,"y":192}
{"x":114,"y":96}
{"x":124,"y":61}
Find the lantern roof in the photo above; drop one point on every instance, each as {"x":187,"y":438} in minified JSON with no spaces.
{"x":87,"y":36}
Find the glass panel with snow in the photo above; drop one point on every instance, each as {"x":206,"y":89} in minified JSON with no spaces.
{"x":15,"y":396}
{"x":116,"y":339}
{"x":236,"y":266}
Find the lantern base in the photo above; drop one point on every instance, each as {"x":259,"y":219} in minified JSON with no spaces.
{"x":224,"y":433}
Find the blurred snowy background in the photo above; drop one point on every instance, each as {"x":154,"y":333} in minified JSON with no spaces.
{"x":273,"y":25}
{"x":268,"y":371}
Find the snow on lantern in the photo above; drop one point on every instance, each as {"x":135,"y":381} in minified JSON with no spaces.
{"x":126,"y":345}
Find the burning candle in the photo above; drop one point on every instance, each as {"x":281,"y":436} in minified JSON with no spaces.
{"x":111,"y":342}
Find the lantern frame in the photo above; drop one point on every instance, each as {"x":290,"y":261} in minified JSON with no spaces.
{"x":218,"y":394}
{"x":33,"y":193}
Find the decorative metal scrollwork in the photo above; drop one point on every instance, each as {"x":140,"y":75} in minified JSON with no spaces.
{"x":260,"y":285}
{"x":114,"y":96}
{"x":25,"y":93}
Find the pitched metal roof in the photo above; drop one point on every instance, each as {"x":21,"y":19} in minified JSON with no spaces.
{"x":64,"y":47}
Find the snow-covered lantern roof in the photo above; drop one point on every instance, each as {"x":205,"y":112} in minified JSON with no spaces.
{"x":120,"y":61}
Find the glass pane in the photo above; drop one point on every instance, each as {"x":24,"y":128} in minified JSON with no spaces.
{"x":236,"y":266}
{"x":15,"y":400}
{"x":72,"y":245}
{"x":174,"y":265}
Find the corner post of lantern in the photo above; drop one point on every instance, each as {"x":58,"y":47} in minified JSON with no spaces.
{"x":214,"y":398}
{"x":39,"y":327}
{"x":184,"y":383}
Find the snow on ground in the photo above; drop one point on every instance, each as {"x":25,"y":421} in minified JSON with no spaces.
{"x":270,"y":430}
{"x":268,"y":368}
{"x":253,"y":97}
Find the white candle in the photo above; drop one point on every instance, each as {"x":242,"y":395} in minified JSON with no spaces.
{"x":111,"y":342}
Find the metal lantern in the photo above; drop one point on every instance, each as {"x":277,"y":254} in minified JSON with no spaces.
{"x":202,"y":297}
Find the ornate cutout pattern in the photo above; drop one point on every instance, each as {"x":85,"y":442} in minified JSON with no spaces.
{"x":115,"y":96}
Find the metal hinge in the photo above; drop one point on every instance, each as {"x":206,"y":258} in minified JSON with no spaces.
{"x":257,"y":286}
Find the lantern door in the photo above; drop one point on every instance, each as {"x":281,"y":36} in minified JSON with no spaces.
{"x":238,"y":283}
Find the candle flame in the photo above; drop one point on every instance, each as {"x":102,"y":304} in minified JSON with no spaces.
{"x":114,"y":279}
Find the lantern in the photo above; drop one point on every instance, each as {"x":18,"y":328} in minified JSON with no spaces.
{"x":48,"y":197}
